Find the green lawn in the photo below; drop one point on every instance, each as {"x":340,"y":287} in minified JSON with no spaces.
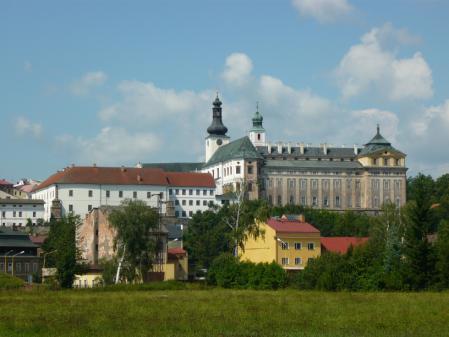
{"x":218,"y":312}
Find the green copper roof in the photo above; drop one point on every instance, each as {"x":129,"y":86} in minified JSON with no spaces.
{"x":238,"y":149}
{"x":257,"y":121}
{"x":377,"y":144}
{"x":175,"y":167}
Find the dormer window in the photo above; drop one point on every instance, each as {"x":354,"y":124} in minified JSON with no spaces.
{"x":385,"y":161}
{"x":374,"y":161}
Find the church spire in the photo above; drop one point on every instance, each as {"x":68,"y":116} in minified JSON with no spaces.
{"x":257,"y":119}
{"x":217,"y":127}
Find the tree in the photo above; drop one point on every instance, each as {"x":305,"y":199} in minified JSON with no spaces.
{"x":419,"y":220}
{"x":442,"y":253}
{"x":206,"y":238}
{"x":242,"y":217}
{"x":62,"y":240}
{"x":135,"y":224}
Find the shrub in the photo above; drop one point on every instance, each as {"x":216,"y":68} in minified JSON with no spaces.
{"x":228,"y":272}
{"x":10,"y":282}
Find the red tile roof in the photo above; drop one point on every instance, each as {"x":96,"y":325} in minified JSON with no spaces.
{"x":291,"y":226}
{"x":341,"y":244}
{"x":5,"y":182}
{"x":190,"y":179}
{"x":38,"y":239}
{"x":176,"y":251}
{"x":127,"y":176}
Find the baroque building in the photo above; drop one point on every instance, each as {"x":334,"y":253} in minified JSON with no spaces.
{"x":325,"y":176}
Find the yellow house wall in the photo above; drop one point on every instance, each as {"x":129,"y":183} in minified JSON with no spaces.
{"x":304,"y":253}
{"x":262,"y":249}
{"x":177,"y":270}
{"x":92,"y":280}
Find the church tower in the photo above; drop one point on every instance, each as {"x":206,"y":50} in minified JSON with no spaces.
{"x":216,"y":131}
{"x":257,"y":132}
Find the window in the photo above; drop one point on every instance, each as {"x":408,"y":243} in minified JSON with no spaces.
{"x":385,"y":161}
{"x":18,"y":267}
{"x":120,"y":194}
{"x":14,"y":214}
{"x":314,"y":201}
{"x":170,"y":192}
{"x":337,"y":201}
{"x":90,"y":193}
{"x":20,"y":214}
{"x":27,"y":267}
{"x":250,"y":170}
{"x":279,"y":200}
{"x":89,"y":208}
{"x":183,"y":192}
{"x":204,"y":202}
{"x":177,"y":192}
{"x":204,"y":192}
{"x":184,"y":202}
{"x":284,"y":245}
{"x":326,"y":202}
{"x":198,"y":202}
{"x":190,"y":192}
{"x":184,"y":214}
{"x":34,"y":267}
{"x":148,"y":195}
{"x":108,"y":194}
{"x":311,"y":246}
{"x":134,"y":194}
{"x":177,"y":214}
{"x":237,"y":169}
{"x":190,"y":202}
{"x":211,"y":192}
{"x":70,"y":208}
{"x":292,"y":200}
{"x":303,"y":200}
{"x":198,"y":192}
{"x":10,"y":267}
{"x":397,"y":162}
{"x":297,"y":245}
{"x":250,"y":187}
{"x":258,"y":136}
{"x":34,"y":214}
{"x":70,"y":193}
{"x":298,"y":260}
{"x":284,"y":261}
{"x":4,"y":214}
{"x":314,"y":184}
{"x":190,"y":213}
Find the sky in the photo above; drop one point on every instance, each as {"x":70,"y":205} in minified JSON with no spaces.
{"x":121,"y":82}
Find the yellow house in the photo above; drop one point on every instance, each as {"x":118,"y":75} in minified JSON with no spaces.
{"x":289,"y":241}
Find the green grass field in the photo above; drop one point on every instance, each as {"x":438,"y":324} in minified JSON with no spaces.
{"x":219,"y":312}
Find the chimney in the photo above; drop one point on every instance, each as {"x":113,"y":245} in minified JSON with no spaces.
{"x":279,"y":148}
{"x":73,"y":165}
{"x":356,"y":150}
{"x":139,"y":178}
{"x":301,"y":148}
{"x":123,"y":169}
{"x":94,"y":165}
{"x":301,"y":218}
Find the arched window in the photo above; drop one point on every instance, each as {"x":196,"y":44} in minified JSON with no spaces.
{"x":258,"y":136}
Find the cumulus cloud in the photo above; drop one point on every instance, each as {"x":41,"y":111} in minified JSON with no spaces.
{"x":372,"y":66}
{"x":364,"y":122}
{"x":112,"y":146}
{"x":88,"y":82}
{"x":25,"y":127}
{"x":431,"y":118}
{"x":324,"y":11}
{"x":238,"y":69}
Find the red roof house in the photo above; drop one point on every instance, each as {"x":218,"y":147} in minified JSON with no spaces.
{"x":341,"y":244}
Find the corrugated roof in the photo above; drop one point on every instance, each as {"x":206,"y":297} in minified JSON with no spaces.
{"x":190,"y":179}
{"x":341,"y":244}
{"x":289,"y":226}
{"x":241,"y":148}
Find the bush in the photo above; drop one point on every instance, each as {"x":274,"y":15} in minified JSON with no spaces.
{"x":10,"y":282}
{"x":228,"y":272}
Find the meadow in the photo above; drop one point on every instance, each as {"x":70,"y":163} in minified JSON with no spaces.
{"x":135,"y":312}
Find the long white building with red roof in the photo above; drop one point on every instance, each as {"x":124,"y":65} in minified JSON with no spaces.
{"x":78,"y":190}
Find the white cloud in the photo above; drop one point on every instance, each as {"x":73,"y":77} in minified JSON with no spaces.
{"x":324,"y":11}
{"x":238,"y":69}
{"x":372,"y":66}
{"x":112,"y":146}
{"x":430,"y":118}
{"x":364,"y":123}
{"x":24,"y":127}
{"x":86,"y":83}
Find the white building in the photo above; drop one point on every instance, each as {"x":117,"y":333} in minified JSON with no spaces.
{"x":17,"y":212}
{"x":78,"y":190}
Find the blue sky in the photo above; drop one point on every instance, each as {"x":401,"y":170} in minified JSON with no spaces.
{"x":114,"y":82}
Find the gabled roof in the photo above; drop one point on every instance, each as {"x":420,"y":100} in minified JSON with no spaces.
{"x":291,"y":226}
{"x":241,"y":148}
{"x":106,"y":176}
{"x":341,"y":244}
{"x":190,"y":179}
{"x":127,"y":176}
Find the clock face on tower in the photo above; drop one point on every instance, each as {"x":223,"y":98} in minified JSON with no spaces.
{"x":219,"y":142}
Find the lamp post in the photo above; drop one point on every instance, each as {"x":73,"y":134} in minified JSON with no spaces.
{"x":10,"y":251}
{"x":12,"y":257}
